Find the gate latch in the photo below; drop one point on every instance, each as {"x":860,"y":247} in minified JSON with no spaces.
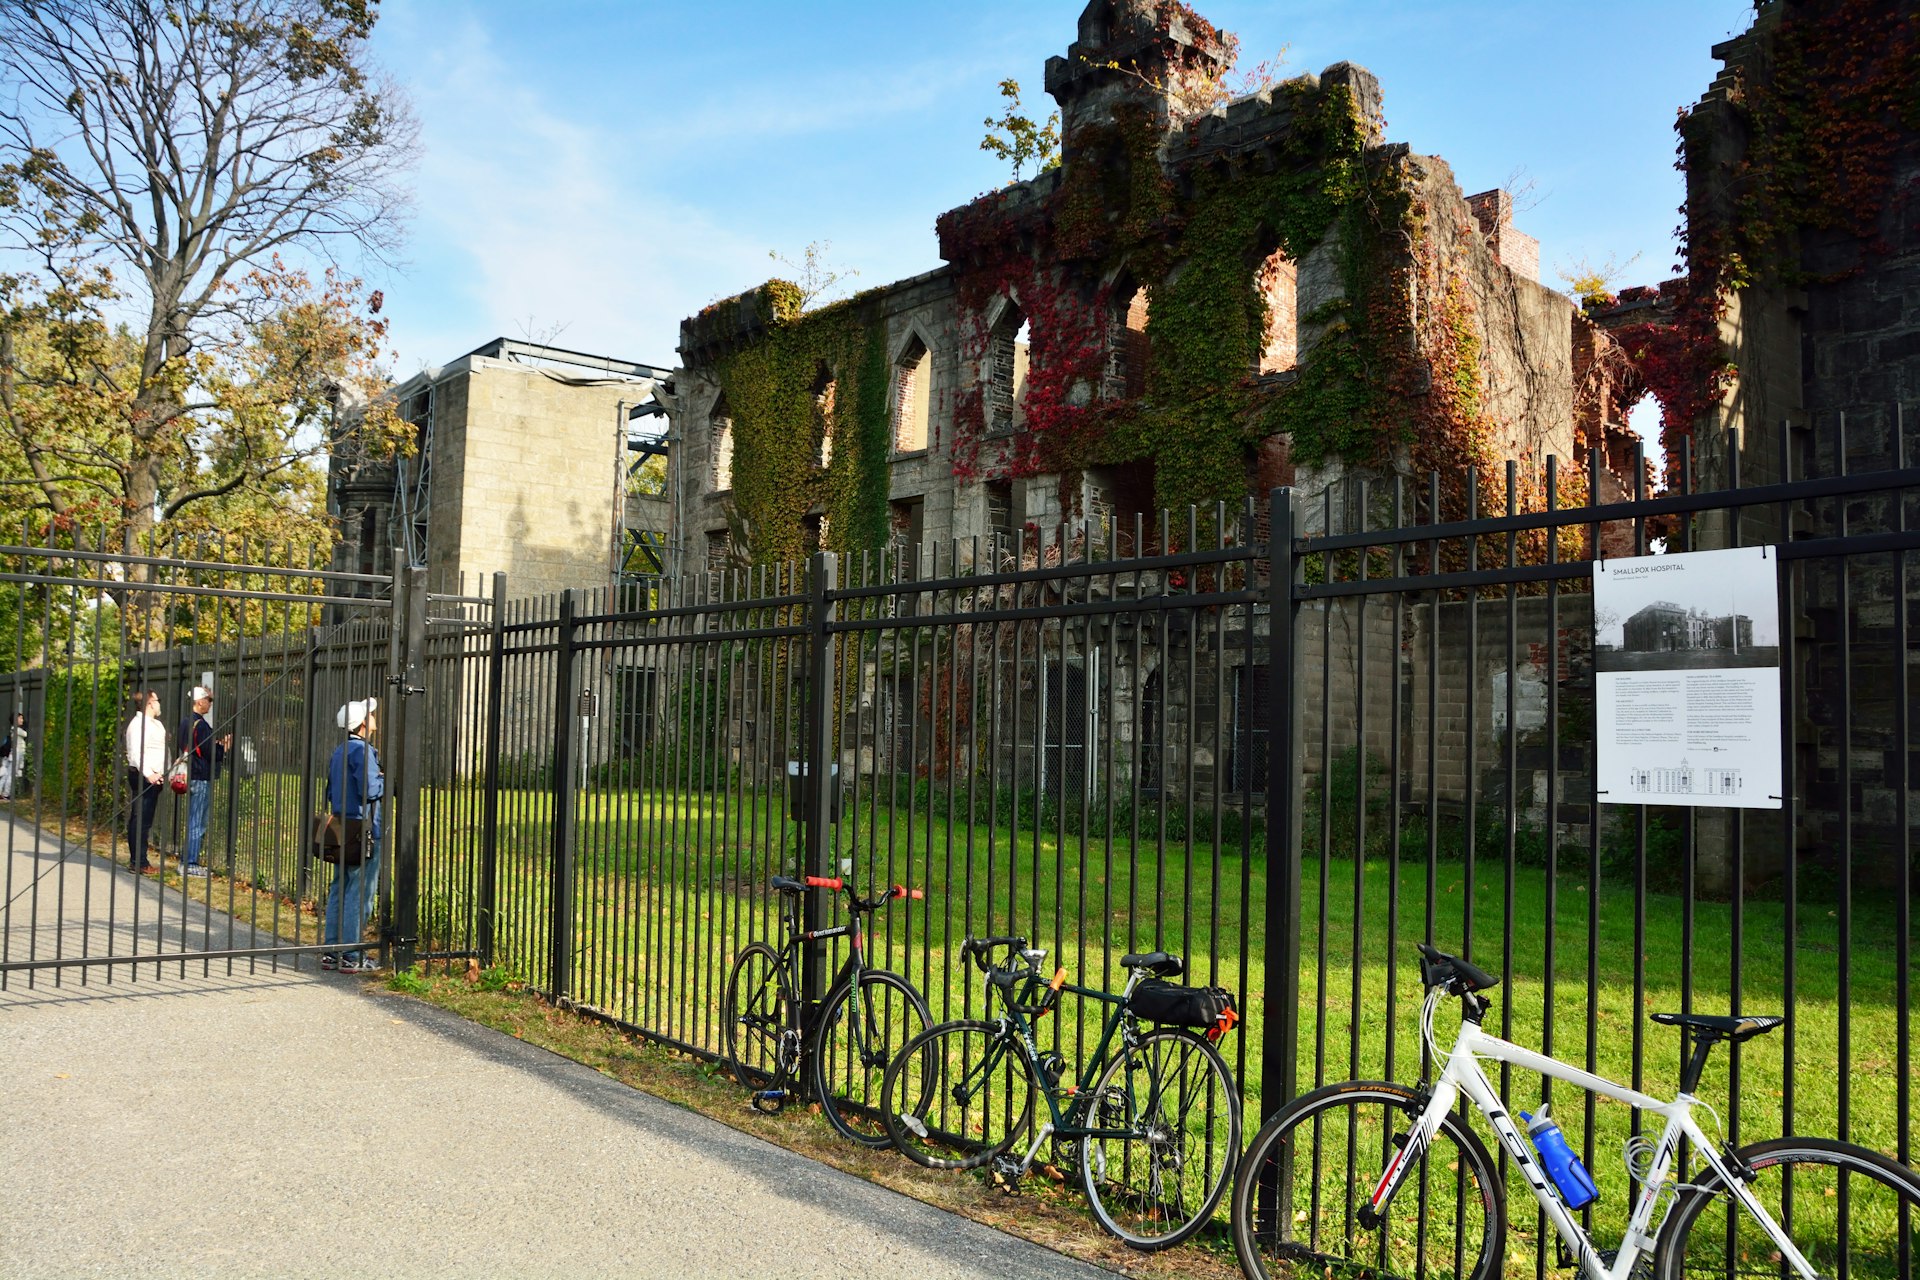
{"x":406,"y":690}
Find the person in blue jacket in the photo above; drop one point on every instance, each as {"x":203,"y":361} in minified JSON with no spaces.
{"x":355,"y":786}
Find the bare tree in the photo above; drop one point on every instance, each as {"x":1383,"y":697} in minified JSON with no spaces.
{"x":186,"y":144}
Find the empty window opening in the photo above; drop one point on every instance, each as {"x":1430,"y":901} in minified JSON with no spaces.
{"x":1278,"y":280}
{"x":1008,"y":353}
{"x":823,"y":402}
{"x":913,"y":398}
{"x":719,"y":550}
{"x":720,"y":450}
{"x":1127,"y":349}
{"x":907,"y":518}
{"x":1147,"y":733}
{"x":999,"y":523}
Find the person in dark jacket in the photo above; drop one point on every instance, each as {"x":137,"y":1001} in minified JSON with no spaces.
{"x":204,"y":753}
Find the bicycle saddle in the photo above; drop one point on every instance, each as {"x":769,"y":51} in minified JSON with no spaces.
{"x":786,"y":884}
{"x":1719,"y":1027}
{"x":1158,"y":962}
{"x":1459,"y":976}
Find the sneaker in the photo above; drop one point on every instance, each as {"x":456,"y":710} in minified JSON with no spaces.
{"x":329,"y":962}
{"x":196,"y":869}
{"x":365,"y":965}
{"x":146,"y":869}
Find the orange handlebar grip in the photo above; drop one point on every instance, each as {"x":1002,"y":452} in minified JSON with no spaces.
{"x":1059,"y":980}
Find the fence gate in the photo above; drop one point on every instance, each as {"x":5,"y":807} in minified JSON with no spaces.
{"x":92,"y":638}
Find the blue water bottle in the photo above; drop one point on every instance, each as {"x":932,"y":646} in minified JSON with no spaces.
{"x":1557,"y":1158}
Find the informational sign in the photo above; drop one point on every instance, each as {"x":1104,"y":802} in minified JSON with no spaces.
{"x":1687,"y":658}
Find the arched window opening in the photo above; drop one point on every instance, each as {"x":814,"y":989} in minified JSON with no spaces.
{"x":720,"y":448}
{"x":1127,"y":349}
{"x":1278,"y":280}
{"x":824,"y":389}
{"x":913,"y":397}
{"x":1645,"y":421}
{"x":1007,"y":361}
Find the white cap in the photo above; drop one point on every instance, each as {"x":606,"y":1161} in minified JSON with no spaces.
{"x":199,"y":691}
{"x":354,"y":714}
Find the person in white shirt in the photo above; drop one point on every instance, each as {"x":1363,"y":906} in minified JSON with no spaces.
{"x":13,"y":755}
{"x":144,"y":753}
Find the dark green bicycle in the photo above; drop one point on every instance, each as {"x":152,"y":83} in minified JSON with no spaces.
{"x":1156,"y":1135}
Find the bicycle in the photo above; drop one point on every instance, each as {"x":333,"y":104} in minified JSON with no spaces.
{"x":867,"y":1016}
{"x":1325,"y":1188}
{"x":1156,"y":1136}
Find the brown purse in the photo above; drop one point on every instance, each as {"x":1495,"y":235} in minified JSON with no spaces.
{"x":339,"y":840}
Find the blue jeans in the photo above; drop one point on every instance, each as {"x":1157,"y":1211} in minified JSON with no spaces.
{"x":347,"y":898}
{"x":199,"y":805}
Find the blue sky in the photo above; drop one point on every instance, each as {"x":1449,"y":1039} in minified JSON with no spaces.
{"x":594,"y":171}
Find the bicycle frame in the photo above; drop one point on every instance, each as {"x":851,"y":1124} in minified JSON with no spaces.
{"x":1463,"y":1075}
{"x":1020,"y":1033}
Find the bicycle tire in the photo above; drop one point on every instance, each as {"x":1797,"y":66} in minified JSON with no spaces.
{"x":1186,"y":1123}
{"x":1448,"y":1218}
{"x":1819,"y":1179}
{"x":753,"y":1017}
{"x":958,"y":1095}
{"x":847,"y":1077}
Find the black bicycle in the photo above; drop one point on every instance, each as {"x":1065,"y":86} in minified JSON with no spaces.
{"x":1155,"y":1137}
{"x":868,"y":1015}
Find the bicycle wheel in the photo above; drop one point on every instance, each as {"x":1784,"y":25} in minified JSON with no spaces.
{"x":1851,"y":1211}
{"x":1315,"y":1165}
{"x":957,"y":1096}
{"x":1175,"y":1096}
{"x":857,"y":1040}
{"x":753,"y":1018}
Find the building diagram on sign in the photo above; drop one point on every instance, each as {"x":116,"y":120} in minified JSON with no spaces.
{"x":1686,"y":780}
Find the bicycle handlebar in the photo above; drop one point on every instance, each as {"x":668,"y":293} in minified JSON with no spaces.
{"x":978,"y":949}
{"x":839,"y":885}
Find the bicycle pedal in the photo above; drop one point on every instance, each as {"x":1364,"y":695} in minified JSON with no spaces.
{"x":913,"y":1124}
{"x":769,"y":1101}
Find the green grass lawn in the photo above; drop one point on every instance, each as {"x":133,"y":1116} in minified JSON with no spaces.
{"x":667,"y":889}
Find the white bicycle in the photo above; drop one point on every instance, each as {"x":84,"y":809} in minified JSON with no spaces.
{"x":1372,"y":1179}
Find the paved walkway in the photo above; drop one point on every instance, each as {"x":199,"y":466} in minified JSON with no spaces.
{"x":288,"y":1123}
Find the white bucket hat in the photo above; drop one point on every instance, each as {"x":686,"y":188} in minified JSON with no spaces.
{"x":354,"y":714}
{"x":199,"y":691}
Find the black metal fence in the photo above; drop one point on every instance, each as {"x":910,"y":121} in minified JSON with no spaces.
{"x":1285,"y":753}
{"x":1104,"y":754}
{"x":87,"y":631}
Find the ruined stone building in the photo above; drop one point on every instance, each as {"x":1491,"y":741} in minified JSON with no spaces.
{"x":1204,"y":299}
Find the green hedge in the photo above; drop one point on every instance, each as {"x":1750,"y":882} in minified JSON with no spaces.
{"x":77,"y":768}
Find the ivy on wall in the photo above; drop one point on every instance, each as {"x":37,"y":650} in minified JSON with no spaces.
{"x":1368,"y":390}
{"x":1383,"y":381}
{"x":772,"y":398}
{"x":1820,"y":130}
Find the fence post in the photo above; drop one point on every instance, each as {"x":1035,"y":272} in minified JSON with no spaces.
{"x":411,"y":680}
{"x":490,"y":812}
{"x":1281,"y":1033}
{"x":560,"y":958}
{"x":816,"y":812}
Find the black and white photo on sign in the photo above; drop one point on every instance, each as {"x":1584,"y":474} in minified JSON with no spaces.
{"x":1687,"y":660}
{"x":1687,"y":612}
